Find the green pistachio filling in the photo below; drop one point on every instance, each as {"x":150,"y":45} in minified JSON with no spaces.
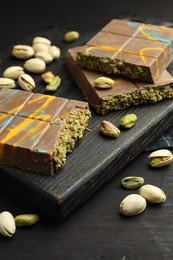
{"x":111,"y":66}
{"x":122,"y":101}
{"x":74,"y":126}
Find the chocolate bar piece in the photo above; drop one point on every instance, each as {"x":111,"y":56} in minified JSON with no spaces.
{"x":123,"y":94}
{"x":129,"y":49}
{"x":37,"y":131}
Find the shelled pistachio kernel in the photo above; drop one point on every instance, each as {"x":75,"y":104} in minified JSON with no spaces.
{"x":108,"y":129}
{"x":7,"y":83}
{"x":22,"y":51}
{"x":26,"y":220}
{"x":54,"y":84}
{"x":48,"y":76}
{"x":71,"y":36}
{"x":7,"y":224}
{"x":13,"y":72}
{"x":160,"y":158}
{"x":35,"y":65}
{"x":132,"y":182}
{"x":152,"y":194}
{"x":132,"y":204}
{"x":103,"y":83}
{"x":26,"y":82}
{"x":128,"y":120}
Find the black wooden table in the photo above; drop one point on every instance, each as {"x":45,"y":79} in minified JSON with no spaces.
{"x":96,"y":230}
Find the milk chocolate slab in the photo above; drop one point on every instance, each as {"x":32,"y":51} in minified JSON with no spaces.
{"x":37,"y":131}
{"x":123,"y":94}
{"x":129,"y":49}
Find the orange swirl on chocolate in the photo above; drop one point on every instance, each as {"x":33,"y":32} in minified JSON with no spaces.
{"x":36,"y":113}
{"x":141,"y":53}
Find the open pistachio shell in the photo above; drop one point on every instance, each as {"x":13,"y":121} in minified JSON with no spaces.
{"x":160,"y":158}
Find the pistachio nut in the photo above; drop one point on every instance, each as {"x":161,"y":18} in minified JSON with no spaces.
{"x":108,"y":129}
{"x":128,"y":120}
{"x":22,"y":51}
{"x":48,"y":76}
{"x":54,"y":52}
{"x":45,"y":56}
{"x":7,"y":224}
{"x":26,"y":82}
{"x":37,"y":47}
{"x":7,"y":83}
{"x":103,"y":83}
{"x":132,"y":182}
{"x":71,"y":36}
{"x":152,"y":194}
{"x":13,"y":72}
{"x":35,"y":65}
{"x":26,"y":220}
{"x":133,"y":204}
{"x":160,"y":158}
{"x":54,"y":84}
{"x":40,"y":39}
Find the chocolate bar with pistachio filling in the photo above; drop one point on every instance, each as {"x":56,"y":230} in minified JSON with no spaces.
{"x":123,"y":94}
{"x":37,"y":131}
{"x":129,"y":49}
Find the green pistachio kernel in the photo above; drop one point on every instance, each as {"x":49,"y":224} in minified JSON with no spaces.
{"x":128,"y":120}
{"x":26,"y":219}
{"x":54,"y":84}
{"x":132,"y":182}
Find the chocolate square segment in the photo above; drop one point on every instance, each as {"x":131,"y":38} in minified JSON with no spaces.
{"x":123,"y":94}
{"x":29,"y":137}
{"x":110,"y":50}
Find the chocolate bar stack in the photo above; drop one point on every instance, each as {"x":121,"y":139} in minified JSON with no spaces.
{"x":134,"y":55}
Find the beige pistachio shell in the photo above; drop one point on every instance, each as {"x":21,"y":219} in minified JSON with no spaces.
{"x":37,"y":47}
{"x":7,"y":224}
{"x":133,"y":204}
{"x":22,"y":51}
{"x":7,"y":83}
{"x":26,"y":82}
{"x":160,"y":158}
{"x":54,"y":52}
{"x":13,"y":72}
{"x":71,"y":36}
{"x":45,"y":56}
{"x":40,"y":39}
{"x":35,"y":65}
{"x":152,"y":194}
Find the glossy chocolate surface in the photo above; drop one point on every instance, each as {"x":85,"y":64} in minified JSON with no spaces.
{"x":30,"y":125}
{"x":85,"y":80}
{"x":136,"y":44}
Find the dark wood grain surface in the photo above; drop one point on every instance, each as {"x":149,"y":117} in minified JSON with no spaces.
{"x":95,"y":230}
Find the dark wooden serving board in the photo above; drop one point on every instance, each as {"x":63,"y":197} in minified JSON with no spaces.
{"x":95,"y":159}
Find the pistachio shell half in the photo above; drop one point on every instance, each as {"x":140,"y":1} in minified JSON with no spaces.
{"x":7,"y":224}
{"x":13,"y":72}
{"x":7,"y":83}
{"x":26,"y":82}
{"x":160,"y":158}
{"x":35,"y":65}
{"x":71,"y":36}
{"x":152,"y":194}
{"x":133,"y":204}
